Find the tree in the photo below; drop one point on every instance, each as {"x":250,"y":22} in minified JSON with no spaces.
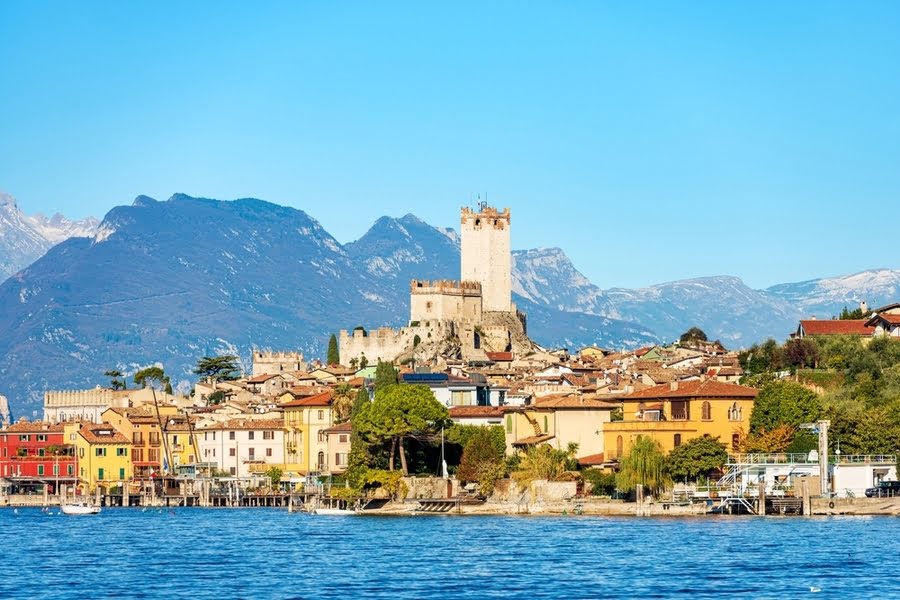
{"x":400,"y":412}
{"x":274,"y":474}
{"x":644,"y":465}
{"x":385,"y":374}
{"x":482,"y":460}
{"x":152,"y":376}
{"x":342,"y":404}
{"x":334,"y":357}
{"x":361,"y":399}
{"x":218,"y":368}
{"x":115,"y":382}
{"x":696,"y":458}
{"x":363,"y":362}
{"x":217,"y":397}
{"x":784,"y":403}
{"x":694,"y":334}
{"x":544,"y":462}
{"x":801,"y":352}
{"x":855,"y":314}
{"x":777,"y":439}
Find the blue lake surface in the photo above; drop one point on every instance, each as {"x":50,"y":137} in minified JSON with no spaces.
{"x":268,"y":553}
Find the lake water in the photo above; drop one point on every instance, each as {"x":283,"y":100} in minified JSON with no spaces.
{"x":268,"y":553}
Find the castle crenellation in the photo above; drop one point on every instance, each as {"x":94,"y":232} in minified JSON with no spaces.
{"x":472,"y":315}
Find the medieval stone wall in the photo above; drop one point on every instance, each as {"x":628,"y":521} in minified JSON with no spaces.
{"x":486,"y":255}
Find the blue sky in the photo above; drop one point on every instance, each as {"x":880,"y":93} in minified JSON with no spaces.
{"x":651,"y":141}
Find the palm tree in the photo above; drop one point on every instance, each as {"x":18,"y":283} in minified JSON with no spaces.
{"x":343,"y":402}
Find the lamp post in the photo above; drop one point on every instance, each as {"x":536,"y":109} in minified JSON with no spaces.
{"x":821,"y":429}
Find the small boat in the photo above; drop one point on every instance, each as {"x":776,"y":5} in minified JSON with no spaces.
{"x":81,"y":508}
{"x":334,"y":512}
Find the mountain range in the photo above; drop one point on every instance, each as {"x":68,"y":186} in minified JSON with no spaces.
{"x":25,"y":238}
{"x":172,"y":281}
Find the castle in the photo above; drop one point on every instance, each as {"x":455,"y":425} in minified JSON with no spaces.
{"x":458,"y":319}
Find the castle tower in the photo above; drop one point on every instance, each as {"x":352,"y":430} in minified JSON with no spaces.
{"x":486,"y":255}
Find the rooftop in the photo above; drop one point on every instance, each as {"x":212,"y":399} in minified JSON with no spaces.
{"x":694,"y":389}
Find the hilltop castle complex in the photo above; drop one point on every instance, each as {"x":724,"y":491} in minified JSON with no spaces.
{"x":465,"y":319}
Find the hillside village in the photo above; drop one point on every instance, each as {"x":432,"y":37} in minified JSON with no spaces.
{"x":463,"y":372}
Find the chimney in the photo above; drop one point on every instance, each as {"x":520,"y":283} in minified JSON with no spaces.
{"x":863,"y":307}
{"x":673,"y":386}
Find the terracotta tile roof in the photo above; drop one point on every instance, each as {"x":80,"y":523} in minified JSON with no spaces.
{"x":572,"y":401}
{"x":263,"y":378}
{"x":34,"y":427}
{"x":887,"y":317}
{"x":342,"y":428}
{"x":475,"y":412}
{"x":102,"y":434}
{"x":500,"y":356}
{"x":323,"y":399}
{"x":591,"y":460}
{"x":837,"y":327}
{"x":246,"y":424}
{"x":695,"y":389}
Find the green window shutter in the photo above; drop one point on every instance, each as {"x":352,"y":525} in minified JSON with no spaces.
{"x":121,"y":472}
{"x":508,"y":423}
{"x":100,"y":473}
{"x":40,"y":469}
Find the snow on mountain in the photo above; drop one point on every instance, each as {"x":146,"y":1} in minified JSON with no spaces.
{"x":828,"y":296}
{"x":547,"y":276}
{"x":23,"y":238}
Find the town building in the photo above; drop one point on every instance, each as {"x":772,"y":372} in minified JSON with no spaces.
{"x":34,"y":455}
{"x":242,"y":447}
{"x":306,"y":420}
{"x":102,"y":455}
{"x":679,"y":411}
{"x":267,"y":362}
{"x":338,"y":453}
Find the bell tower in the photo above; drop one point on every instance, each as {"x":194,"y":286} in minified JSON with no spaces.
{"x":486,"y":255}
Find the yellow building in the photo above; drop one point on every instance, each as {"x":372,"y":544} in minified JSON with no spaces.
{"x":103,"y":456}
{"x":181,"y":437}
{"x":559,"y":419}
{"x":305,"y":422}
{"x":142,"y":426}
{"x":676,"y":412}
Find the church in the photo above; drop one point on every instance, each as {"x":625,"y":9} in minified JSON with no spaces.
{"x":463,"y":319}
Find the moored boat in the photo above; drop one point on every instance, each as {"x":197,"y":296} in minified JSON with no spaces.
{"x":334,"y":512}
{"x":81,"y":508}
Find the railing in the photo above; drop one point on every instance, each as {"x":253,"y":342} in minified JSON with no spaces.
{"x":805,"y":459}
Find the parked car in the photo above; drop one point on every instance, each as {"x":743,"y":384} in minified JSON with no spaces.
{"x":885,"y":489}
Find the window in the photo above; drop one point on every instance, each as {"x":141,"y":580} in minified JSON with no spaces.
{"x":100,"y":473}
{"x":100,"y":452}
{"x":268,"y":435}
{"x":40,"y":469}
{"x":42,"y":438}
{"x":321,"y":461}
{"x":24,"y":438}
{"x":40,"y":452}
{"x":121,"y":472}
{"x":321,"y":414}
{"x":154,"y":438}
{"x":251,"y":453}
{"x":508,"y":423}
{"x":268,"y":452}
{"x":681,"y":410}
{"x":619,"y":446}
{"x":232,"y":452}
{"x":706,"y":412}
{"x":137,"y":455}
{"x":460,"y":398}
{"x":231,"y":470}
{"x":153,"y":455}
{"x":735,"y":413}
{"x":340,"y":459}
{"x":121,"y":451}
{"x":250,"y":435}
{"x":81,"y":453}
{"x":137,"y":438}
{"x":55,"y":471}
{"x":231,"y":435}
{"x":342,"y":438}
{"x":322,"y":437}
{"x":736,"y":441}
{"x":677,"y":440}
{"x":175,"y":439}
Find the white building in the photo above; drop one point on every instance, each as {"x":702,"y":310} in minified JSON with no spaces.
{"x":241,"y":447}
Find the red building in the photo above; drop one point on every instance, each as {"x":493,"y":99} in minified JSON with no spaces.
{"x":35,"y":454}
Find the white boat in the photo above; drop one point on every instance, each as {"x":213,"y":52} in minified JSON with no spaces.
{"x":81,"y":508}
{"x":334,"y":512}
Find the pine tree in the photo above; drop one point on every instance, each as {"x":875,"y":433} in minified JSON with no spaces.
{"x":334,"y":357}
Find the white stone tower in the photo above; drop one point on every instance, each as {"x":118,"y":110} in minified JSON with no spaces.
{"x":486,"y":255}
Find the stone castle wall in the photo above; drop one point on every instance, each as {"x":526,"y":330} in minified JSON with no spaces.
{"x":445,"y":300}
{"x":486,"y":255}
{"x":267,"y":362}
